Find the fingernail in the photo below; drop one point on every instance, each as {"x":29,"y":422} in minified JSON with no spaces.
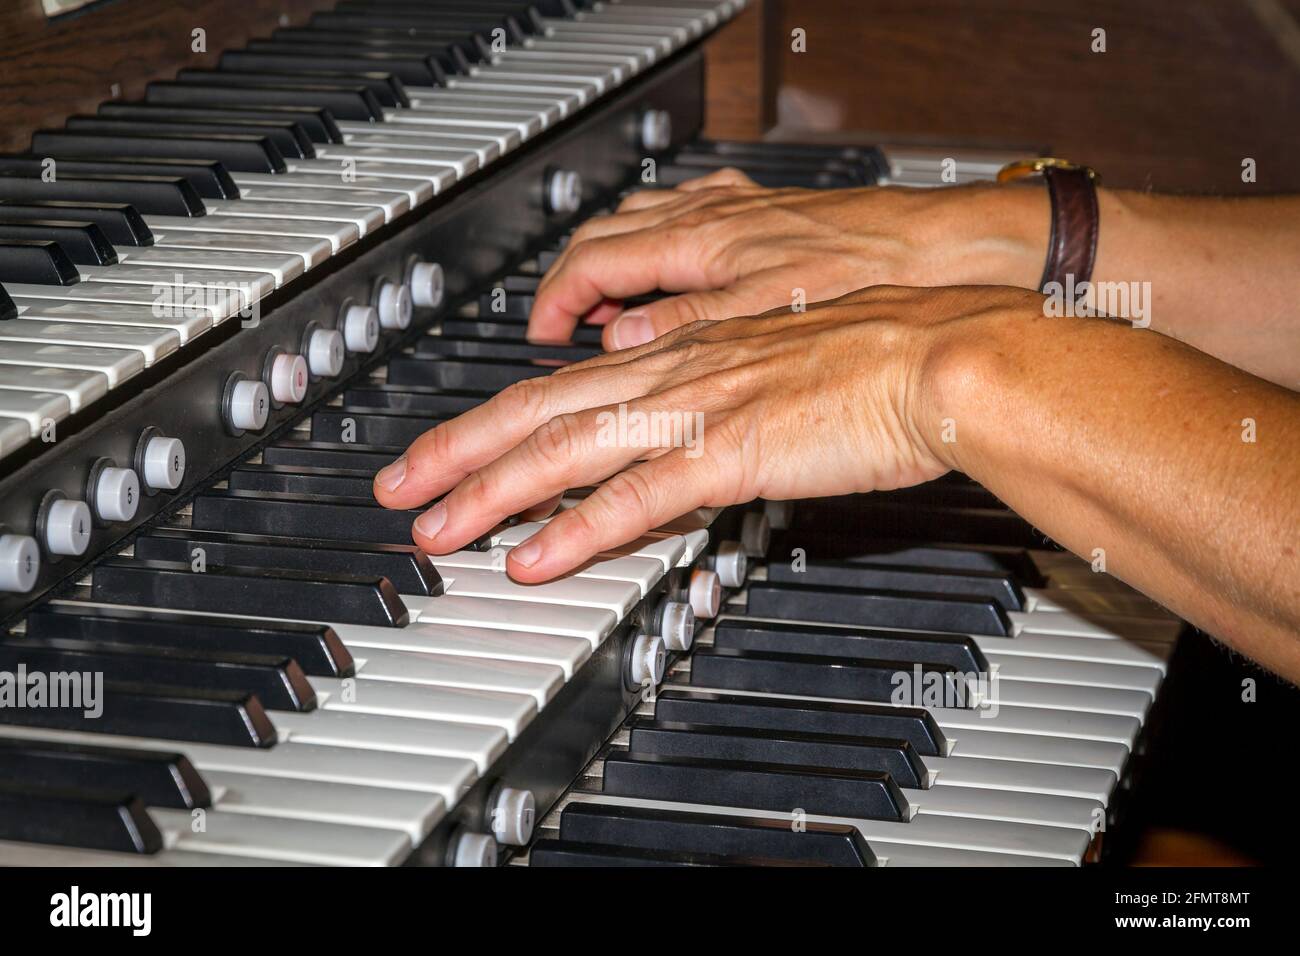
{"x":431,"y":522}
{"x":527,"y":553}
{"x":631,"y":329}
{"x":390,"y":476}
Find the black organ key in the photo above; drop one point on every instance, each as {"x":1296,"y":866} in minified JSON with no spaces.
{"x":89,"y":819}
{"x":248,"y":154}
{"x":449,"y":57}
{"x":893,"y":519}
{"x":475,"y":374}
{"x":811,"y":675}
{"x":369,"y":426}
{"x":383,"y":88}
{"x":270,"y":55}
{"x":299,"y":454}
{"x":913,"y":724}
{"x":121,"y":224}
{"x":436,"y":402}
{"x":906,"y":609}
{"x":316,"y":647}
{"x":318,"y":124}
{"x":564,"y":853}
{"x":353,"y":102}
{"x":231,"y":718}
{"x":954,"y":650}
{"x":305,"y":516}
{"x":151,"y":195}
{"x":259,"y":591}
{"x":207,"y":178}
{"x":437,"y":346}
{"x":406,"y":567}
{"x":752,"y":745}
{"x":38,"y":261}
{"x":513,"y":331}
{"x":289,"y":138}
{"x":862,"y":794}
{"x":828,"y":844}
{"x":285,"y":479}
{"x":158,"y":778}
{"x":989,"y":585}
{"x":856,"y":549}
{"x":83,"y":243}
{"x":277,"y":681}
{"x":7,"y":308}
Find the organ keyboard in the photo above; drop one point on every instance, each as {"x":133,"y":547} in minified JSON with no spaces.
{"x":227,"y":304}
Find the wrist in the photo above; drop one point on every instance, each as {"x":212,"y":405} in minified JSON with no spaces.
{"x":1001,"y":235}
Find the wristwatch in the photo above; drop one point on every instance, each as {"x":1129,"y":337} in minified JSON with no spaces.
{"x":1072,"y":243}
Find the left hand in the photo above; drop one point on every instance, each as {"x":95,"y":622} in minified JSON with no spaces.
{"x":840,"y":398}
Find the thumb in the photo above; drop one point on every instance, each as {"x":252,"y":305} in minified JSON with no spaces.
{"x":644,"y":323}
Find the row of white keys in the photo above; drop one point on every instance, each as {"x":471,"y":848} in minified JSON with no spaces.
{"x":249,"y":286}
{"x":174,"y":232}
{"x":218,"y":303}
{"x":78,"y":386}
{"x":394,"y":198}
{"x":151,"y":343}
{"x":282,"y":267}
{"x":338,"y":235}
{"x":187,"y":324}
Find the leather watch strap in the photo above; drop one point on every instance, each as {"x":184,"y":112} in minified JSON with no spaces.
{"x":1072,"y":245}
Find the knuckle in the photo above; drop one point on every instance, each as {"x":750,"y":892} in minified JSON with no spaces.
{"x":525,"y":400}
{"x":628,"y":492}
{"x":557,"y":442}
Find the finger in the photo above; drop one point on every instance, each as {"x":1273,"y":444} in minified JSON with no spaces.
{"x":565,"y":452}
{"x":449,"y":452}
{"x":726,"y":176}
{"x":647,"y":322}
{"x":542,"y":510}
{"x":622,"y":509}
{"x":615,"y":267}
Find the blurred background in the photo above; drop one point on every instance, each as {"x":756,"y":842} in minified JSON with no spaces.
{"x":1185,"y":90}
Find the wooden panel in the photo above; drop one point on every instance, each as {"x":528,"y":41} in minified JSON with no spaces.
{"x":51,"y":69}
{"x":1184,"y":92}
{"x":742,"y":66}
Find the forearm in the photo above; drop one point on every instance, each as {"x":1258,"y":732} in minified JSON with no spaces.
{"x":1121,"y":440}
{"x":1224,"y":274}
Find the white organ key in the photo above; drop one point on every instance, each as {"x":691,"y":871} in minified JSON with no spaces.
{"x":422,"y":141}
{"x":116,"y":365}
{"x":903,"y":855}
{"x":511,"y":712}
{"x":186,"y":327}
{"x":1078,"y":673}
{"x":1036,"y":748}
{"x":281,"y":267}
{"x":1085,"y":783}
{"x":339,"y":803}
{"x":572,"y":97}
{"x":219,"y":304}
{"x":46,"y":854}
{"x":541,"y":112}
{"x":339,"y":235}
{"x":14,"y":433}
{"x":645,"y":573}
{"x":541,"y":681}
{"x":310,"y":249}
{"x":298,"y":841}
{"x":445,"y":130}
{"x":1093,"y":602}
{"x":152,"y":343}
{"x":1095,"y":700}
{"x":258,"y":187}
{"x":366,"y":218}
{"x":250,"y":286}
{"x":615,"y":596}
{"x":437,"y":178}
{"x":79,"y":387}
{"x":477,"y":742}
{"x":1009,"y":806}
{"x":34,"y":408}
{"x":1070,"y":624}
{"x":461,"y":162}
{"x":567,"y":653}
{"x":592,"y":624}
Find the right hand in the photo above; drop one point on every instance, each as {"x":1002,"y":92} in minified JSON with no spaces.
{"x":734,"y":248}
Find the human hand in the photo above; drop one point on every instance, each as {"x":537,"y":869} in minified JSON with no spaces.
{"x":844,"y":397}
{"x":733,"y":248}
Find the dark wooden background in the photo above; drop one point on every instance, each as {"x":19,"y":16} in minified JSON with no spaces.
{"x":1185,"y":90}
